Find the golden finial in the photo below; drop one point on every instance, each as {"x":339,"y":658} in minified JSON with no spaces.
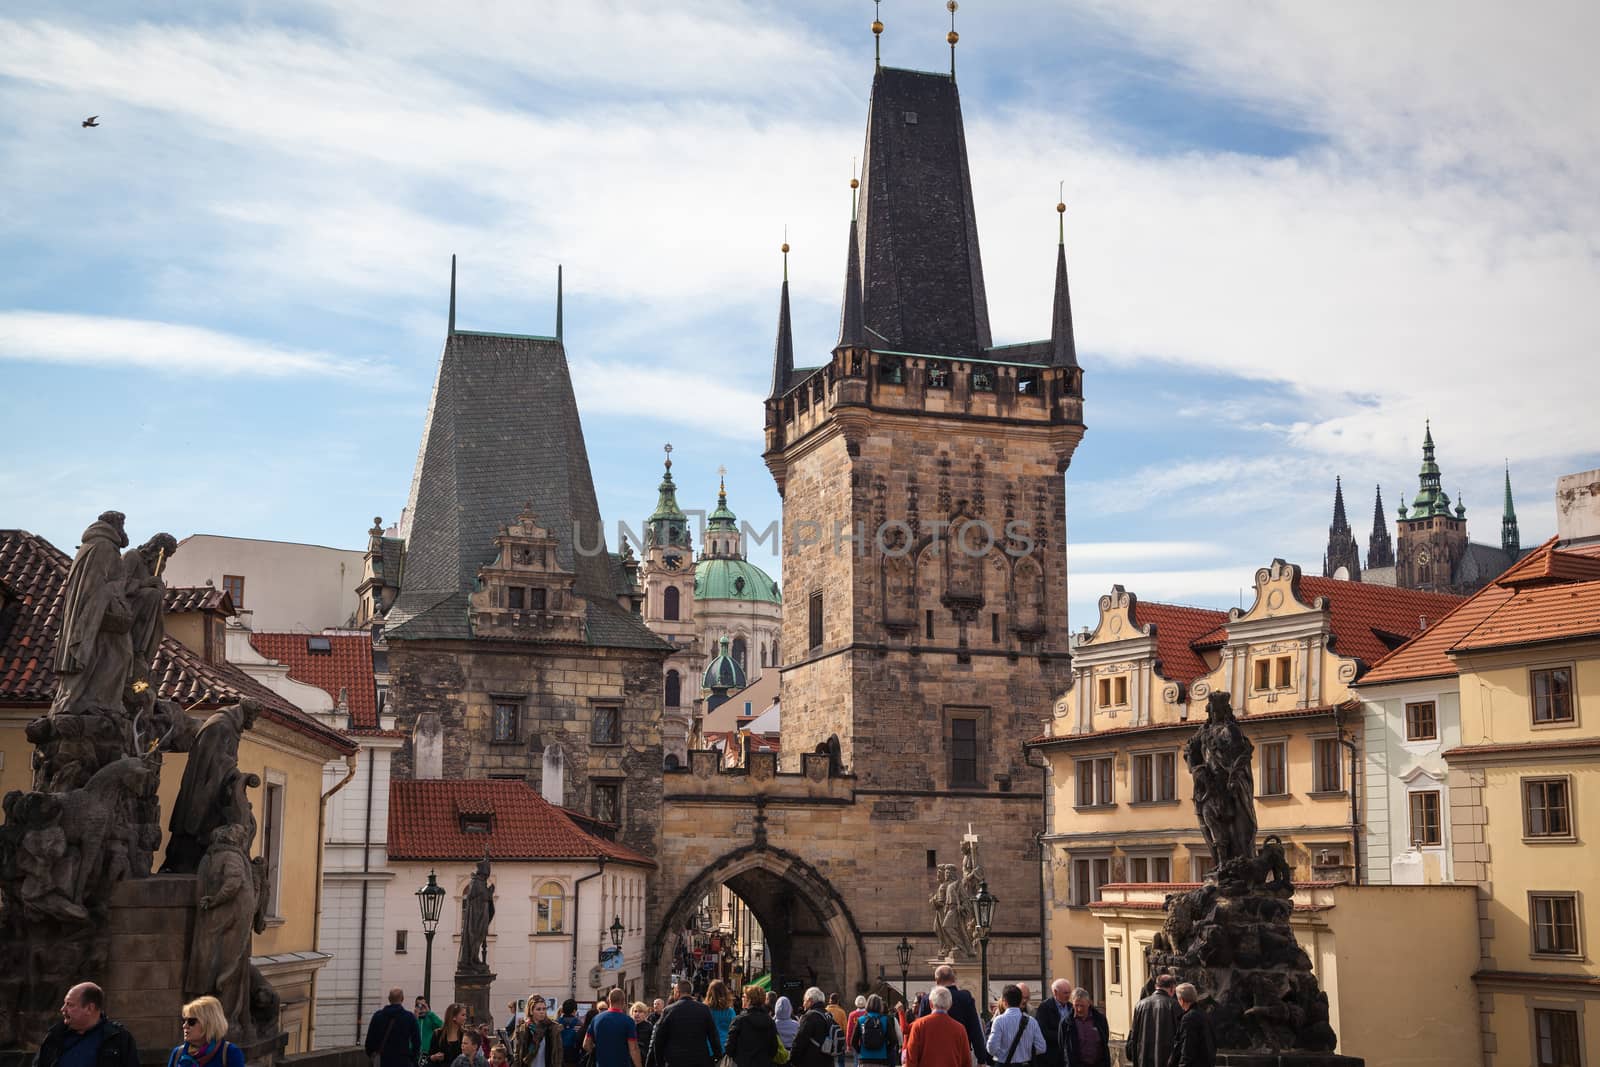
{"x":785,"y":252}
{"x":1061,"y":213}
{"x":877,"y":35}
{"x":952,"y":36}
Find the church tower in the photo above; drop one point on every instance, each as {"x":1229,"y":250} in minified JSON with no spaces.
{"x":1343,"y":557}
{"x":924,"y":515}
{"x":1433,"y":539}
{"x":667,"y":575}
{"x":1510,"y":539}
{"x":1380,"y":549}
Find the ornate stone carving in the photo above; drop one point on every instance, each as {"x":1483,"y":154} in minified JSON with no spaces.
{"x":477,"y":912}
{"x":950,"y":914}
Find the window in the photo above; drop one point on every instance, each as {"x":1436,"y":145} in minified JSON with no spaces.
{"x":1422,"y":724}
{"x":1552,"y":695}
{"x":1146,"y":869}
{"x":1088,"y":875}
{"x":1094,"y":782}
{"x":233,"y":585}
{"x":536,"y":599}
{"x":994,"y":628}
{"x":1201,"y":864}
{"x":1090,"y":968}
{"x":1263,"y":674}
{"x":741,"y":654}
{"x":1114,"y":691}
{"x":964,"y":752}
{"x":506,"y":714}
{"x":816,"y":619}
{"x":1274,"y":768}
{"x":607,"y":801}
{"x":1027,"y":383}
{"x":1327,"y":767}
{"x":549,"y":903}
{"x":1285,"y":672}
{"x":1114,"y":966}
{"x":674,"y":692}
{"x":891,"y":369}
{"x":669,"y":603}
{"x":938,"y":376}
{"x":319,"y":646}
{"x":1555,"y":923}
{"x":514,"y":597}
{"x":982,"y":381}
{"x":1556,"y":1038}
{"x":477,"y":824}
{"x":1425,"y":828}
{"x":1546,"y":807}
{"x":272,"y":841}
{"x":927,"y":625}
{"x":607,"y":728}
{"x":400,"y":942}
{"x":1155,"y":777}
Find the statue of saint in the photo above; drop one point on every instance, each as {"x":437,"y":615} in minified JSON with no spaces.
{"x":227,"y":919}
{"x":1218,"y":756}
{"x":477,"y":912}
{"x":206,"y":797}
{"x":949,"y":914}
{"x":95,"y":647}
{"x":143,"y":591}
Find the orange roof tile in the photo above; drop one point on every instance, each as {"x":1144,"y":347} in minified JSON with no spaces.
{"x":1537,"y":615}
{"x":425,"y":824}
{"x":181,"y":599}
{"x":1177,"y":627}
{"x":347,"y":666}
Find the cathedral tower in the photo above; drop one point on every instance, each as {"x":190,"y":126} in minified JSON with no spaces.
{"x":1433,"y":539}
{"x":667,"y":574}
{"x":1510,"y":539}
{"x":1342,"y":554}
{"x":1380,"y":549}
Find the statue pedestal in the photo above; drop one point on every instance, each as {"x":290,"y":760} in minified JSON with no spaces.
{"x":472,"y":990}
{"x":1286,"y":1059}
{"x":150,"y":923}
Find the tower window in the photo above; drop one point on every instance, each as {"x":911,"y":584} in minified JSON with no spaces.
{"x":506,"y":714}
{"x":514,"y":597}
{"x":816,"y":619}
{"x":536,"y":599}
{"x":669,"y":603}
{"x":674,"y":691}
{"x":607,"y":726}
{"x":994,"y":627}
{"x":927,"y":625}
{"x":982,"y":381}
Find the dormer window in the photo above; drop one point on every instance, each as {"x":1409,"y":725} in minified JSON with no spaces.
{"x":319,"y":646}
{"x":477,"y":824}
{"x":514,"y":598}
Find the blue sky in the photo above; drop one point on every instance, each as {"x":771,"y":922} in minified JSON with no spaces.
{"x":1294,"y":231}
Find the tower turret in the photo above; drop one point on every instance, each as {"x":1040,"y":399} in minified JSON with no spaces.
{"x":1343,"y":558}
{"x":1510,"y":539}
{"x":1380,"y":549}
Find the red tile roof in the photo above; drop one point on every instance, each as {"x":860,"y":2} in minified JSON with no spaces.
{"x":1538,"y":615}
{"x":182,"y":599}
{"x":33,"y":577}
{"x":425,"y":824}
{"x":1367,"y":621}
{"x":347,"y":666}
{"x":1548,"y":564}
{"x":1177,"y":627}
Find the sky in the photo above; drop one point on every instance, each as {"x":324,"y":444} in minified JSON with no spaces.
{"x":1294,"y":232}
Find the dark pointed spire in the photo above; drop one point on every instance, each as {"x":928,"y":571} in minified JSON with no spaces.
{"x":852,"y":332}
{"x":1510,"y":538}
{"x":1339,"y":519}
{"x":783,"y":351}
{"x":558,"y":301}
{"x":1342,"y":554}
{"x":1380,"y":549}
{"x":452,"y":292}
{"x":1063,"y":346}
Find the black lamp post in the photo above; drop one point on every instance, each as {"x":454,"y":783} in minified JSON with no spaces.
{"x":616,"y":931}
{"x":430,"y":898}
{"x":983,"y":903}
{"x":903,"y":950}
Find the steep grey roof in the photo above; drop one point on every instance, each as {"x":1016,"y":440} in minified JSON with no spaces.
{"x":1481,"y":564}
{"x":922,"y":277}
{"x":392,"y":555}
{"x":503,"y":431}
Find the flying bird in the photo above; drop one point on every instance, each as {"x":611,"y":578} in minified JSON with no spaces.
{"x":90,"y":121}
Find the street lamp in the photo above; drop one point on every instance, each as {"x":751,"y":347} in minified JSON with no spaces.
{"x":616,"y":931}
{"x":983,"y":903}
{"x":430,"y":898}
{"x":903,"y":950}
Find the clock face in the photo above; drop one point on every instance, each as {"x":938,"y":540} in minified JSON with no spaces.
{"x":672,"y":561}
{"x":1423,"y":555}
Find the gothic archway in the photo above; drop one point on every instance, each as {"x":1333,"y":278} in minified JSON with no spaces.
{"x":809,"y":930}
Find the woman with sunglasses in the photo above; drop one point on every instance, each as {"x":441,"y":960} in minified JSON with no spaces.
{"x":205,"y":1028}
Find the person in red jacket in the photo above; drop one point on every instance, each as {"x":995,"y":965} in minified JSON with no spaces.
{"x":937,"y":1040}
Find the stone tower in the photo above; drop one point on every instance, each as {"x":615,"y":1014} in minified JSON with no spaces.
{"x":1380,"y":549}
{"x":667,"y":575}
{"x":1510,"y":539}
{"x":924,"y":517}
{"x":1433,"y":539}
{"x":1343,"y":553}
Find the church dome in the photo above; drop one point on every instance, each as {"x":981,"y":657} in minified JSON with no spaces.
{"x":724,"y":671}
{"x":734,"y":579}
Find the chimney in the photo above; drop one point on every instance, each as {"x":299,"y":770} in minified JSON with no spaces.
{"x":1578,"y":507}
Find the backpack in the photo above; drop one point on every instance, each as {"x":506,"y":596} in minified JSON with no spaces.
{"x":871,"y":1029}
{"x":833,"y":1044}
{"x":570,"y":1027}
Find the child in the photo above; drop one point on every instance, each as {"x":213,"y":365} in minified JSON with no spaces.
{"x":498,"y":1057}
{"x":471,"y":1051}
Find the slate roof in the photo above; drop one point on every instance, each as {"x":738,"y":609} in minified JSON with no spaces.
{"x":922,"y":276}
{"x":502,"y":431}
{"x":180,"y":600}
{"x":425,"y":824}
{"x":1177,"y":626}
{"x":1368,"y":621}
{"x":33,"y":577}
{"x":347,"y":666}
{"x":392,"y":556}
{"x":1479,"y":564}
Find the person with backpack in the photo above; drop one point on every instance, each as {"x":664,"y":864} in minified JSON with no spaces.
{"x":753,"y":1038}
{"x":877,"y":1039}
{"x":393,"y":1039}
{"x":787,"y":1025}
{"x":571,"y":1031}
{"x":820,"y":1041}
{"x":1014,"y":1037}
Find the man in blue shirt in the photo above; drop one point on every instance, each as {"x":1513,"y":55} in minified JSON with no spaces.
{"x":613,"y":1039}
{"x":85,"y":1037}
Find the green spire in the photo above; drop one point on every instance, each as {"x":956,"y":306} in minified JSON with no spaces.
{"x":1510,"y":538}
{"x":1431,"y":499}
{"x":722,"y":518}
{"x":667,"y":525}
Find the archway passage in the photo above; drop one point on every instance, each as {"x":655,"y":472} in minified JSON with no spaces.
{"x":807,"y":935}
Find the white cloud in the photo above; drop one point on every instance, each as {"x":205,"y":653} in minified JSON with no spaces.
{"x":169,"y":348}
{"x":644,"y":392}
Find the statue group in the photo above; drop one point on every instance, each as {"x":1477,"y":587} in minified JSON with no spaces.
{"x":955,"y":917}
{"x":1231,"y":937}
{"x":92,"y":819}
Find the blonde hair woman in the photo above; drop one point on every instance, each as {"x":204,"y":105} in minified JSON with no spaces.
{"x":205,"y":1032}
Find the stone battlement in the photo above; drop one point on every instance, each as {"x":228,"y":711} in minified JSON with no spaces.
{"x":707,"y":777}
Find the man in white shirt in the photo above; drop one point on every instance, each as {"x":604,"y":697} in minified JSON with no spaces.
{"x":1014,"y":1038}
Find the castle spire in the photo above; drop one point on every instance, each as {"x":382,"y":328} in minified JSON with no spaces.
{"x":1063,"y":346}
{"x":851,"y":331}
{"x":452,"y":292}
{"x":1510,"y":539}
{"x":667,"y":525}
{"x":1431,"y":498}
{"x":1343,"y":558}
{"x":558,"y":301}
{"x":1380,"y":549}
{"x":783,"y":351}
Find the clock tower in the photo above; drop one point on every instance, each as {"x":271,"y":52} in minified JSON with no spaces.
{"x":1433,"y":537}
{"x":667,"y":575}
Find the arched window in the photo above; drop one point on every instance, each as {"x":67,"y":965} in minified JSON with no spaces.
{"x":669,"y":604}
{"x":549,"y":904}
{"x":674,"y":689}
{"x":740,"y":652}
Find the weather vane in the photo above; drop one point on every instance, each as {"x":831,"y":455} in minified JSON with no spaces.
{"x":952,"y":36}
{"x":877,"y":35}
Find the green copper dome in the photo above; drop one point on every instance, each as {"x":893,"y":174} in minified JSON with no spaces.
{"x":667,"y":525}
{"x":734,"y":579}
{"x":724,"y":671}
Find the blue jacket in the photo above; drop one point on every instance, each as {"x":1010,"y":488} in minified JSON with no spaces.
{"x":233,"y":1056}
{"x":394,"y":1036}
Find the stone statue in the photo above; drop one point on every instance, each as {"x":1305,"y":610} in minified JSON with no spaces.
{"x":95,"y":646}
{"x":207,"y":797}
{"x":950,"y":914}
{"x":972,"y":877}
{"x":1218,"y":756}
{"x":477,"y":912}
{"x":228,"y":915}
{"x":143,"y":591}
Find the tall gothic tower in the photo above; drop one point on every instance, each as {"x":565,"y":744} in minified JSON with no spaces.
{"x":1342,"y":550}
{"x":1380,"y":549}
{"x":923,"y":501}
{"x":1432,"y":538}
